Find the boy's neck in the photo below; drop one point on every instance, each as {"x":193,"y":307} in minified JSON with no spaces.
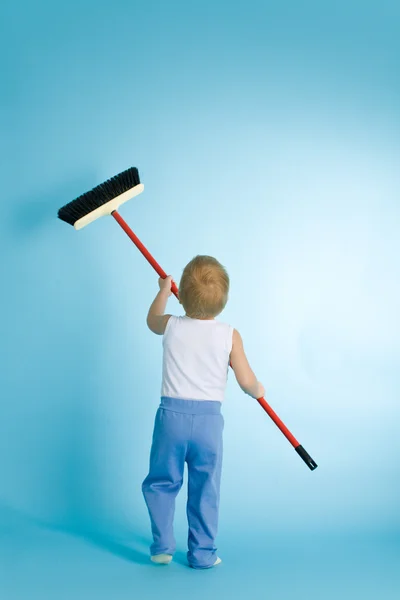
{"x":199,"y":319}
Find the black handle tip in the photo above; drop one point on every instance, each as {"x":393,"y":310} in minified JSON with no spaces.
{"x":306,"y":457}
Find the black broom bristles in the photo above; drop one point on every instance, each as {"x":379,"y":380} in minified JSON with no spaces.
{"x":101,"y":194}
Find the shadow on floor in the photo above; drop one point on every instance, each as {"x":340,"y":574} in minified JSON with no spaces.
{"x":136,"y":550}
{"x":113,"y":546}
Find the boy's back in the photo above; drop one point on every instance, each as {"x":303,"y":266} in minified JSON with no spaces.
{"x":196,"y":358}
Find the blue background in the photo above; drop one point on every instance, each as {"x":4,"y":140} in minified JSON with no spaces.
{"x":266,"y":134}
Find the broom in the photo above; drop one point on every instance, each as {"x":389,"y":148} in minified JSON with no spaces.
{"x":105,"y":199}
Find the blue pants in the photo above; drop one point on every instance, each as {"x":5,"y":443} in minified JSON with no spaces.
{"x":186,"y":431}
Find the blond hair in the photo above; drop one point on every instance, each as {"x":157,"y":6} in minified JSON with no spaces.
{"x":204,"y":287}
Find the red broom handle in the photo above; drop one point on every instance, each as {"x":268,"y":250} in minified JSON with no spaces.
{"x":299,"y":449}
{"x":278,"y":422}
{"x":143,"y":250}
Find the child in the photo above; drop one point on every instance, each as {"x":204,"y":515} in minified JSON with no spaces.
{"x":197,"y":350}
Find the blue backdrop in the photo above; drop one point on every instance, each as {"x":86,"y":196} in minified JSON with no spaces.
{"x":266,"y":134}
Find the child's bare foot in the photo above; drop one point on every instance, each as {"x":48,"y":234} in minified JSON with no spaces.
{"x":162,"y":559}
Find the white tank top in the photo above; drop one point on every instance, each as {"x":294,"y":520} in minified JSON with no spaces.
{"x":196,"y":358}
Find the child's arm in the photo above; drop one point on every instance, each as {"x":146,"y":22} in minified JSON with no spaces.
{"x":243,"y":373}
{"x":156,"y":319}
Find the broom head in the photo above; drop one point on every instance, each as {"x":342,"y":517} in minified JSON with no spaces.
{"x":102,"y":200}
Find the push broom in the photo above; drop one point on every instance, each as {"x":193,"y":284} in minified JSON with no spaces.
{"x":105,"y":199}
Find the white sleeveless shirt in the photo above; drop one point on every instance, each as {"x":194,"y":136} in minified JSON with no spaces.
{"x":196,"y":358}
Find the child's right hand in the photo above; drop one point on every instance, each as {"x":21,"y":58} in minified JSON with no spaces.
{"x":260,"y":391}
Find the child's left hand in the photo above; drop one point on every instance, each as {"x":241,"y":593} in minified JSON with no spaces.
{"x":165,"y":284}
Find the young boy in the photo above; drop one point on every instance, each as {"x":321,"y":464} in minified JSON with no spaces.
{"x":197,"y":350}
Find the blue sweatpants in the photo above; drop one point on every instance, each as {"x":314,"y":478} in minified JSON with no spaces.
{"x":186,"y":431}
